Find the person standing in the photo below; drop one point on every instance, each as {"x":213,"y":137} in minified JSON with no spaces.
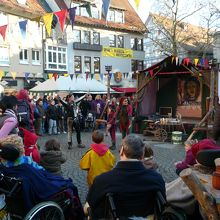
{"x":61,"y":116}
{"x":72,"y":120}
{"x":52,"y":117}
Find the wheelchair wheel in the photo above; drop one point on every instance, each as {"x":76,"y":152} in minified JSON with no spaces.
{"x":45,"y":211}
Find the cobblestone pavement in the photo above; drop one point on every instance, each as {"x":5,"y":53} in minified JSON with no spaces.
{"x":165,"y":154}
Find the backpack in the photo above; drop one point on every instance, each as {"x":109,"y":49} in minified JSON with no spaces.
{"x":23,"y":113}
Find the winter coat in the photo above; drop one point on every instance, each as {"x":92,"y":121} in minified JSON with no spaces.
{"x":52,"y":160}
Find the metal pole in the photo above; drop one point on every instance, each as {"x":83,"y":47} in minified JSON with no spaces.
{"x":108,"y":86}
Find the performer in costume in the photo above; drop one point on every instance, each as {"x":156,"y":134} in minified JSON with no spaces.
{"x":124,"y":113}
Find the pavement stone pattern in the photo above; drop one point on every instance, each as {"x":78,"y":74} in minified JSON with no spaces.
{"x":166,"y":154}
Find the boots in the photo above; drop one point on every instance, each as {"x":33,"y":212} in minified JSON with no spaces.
{"x":69,"y":145}
{"x":113,"y":147}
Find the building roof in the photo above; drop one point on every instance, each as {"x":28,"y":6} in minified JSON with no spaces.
{"x":30,"y":10}
{"x":132,"y":23}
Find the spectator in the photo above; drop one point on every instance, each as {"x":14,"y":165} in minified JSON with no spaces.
{"x":61,"y":116}
{"x":129,"y":176}
{"x":52,"y":117}
{"x":97,"y":106}
{"x":8,"y":119}
{"x":22,"y":159}
{"x":192,"y":147}
{"x":98,"y":159}
{"x":148,"y":160}
{"x":52,"y":158}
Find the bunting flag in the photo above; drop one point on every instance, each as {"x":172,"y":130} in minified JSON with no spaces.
{"x":146,"y":73}
{"x":151,"y":73}
{"x":62,"y":18}
{"x":13,"y":74}
{"x":55,"y":76}
{"x":97,"y":77}
{"x":102,"y":76}
{"x":127,"y":74}
{"x":48,"y":18}
{"x":87,"y":76}
{"x":26,"y":75}
{"x":3,"y":30}
{"x":124,"y":74}
{"x":77,"y":75}
{"x":54,"y":21}
{"x":105,"y":7}
{"x":196,"y":61}
{"x":71,"y":76}
{"x":137,"y":2}
{"x":1,"y":74}
{"x":50,"y":75}
{"x":23,"y":28}
{"x":98,"y":4}
{"x":72,"y":14}
{"x":87,"y":6}
{"x":65,"y":74}
{"x":110,"y":75}
{"x":92,"y":75}
{"x":5,"y":73}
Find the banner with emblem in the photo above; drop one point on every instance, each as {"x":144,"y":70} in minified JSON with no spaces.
{"x":117,"y":52}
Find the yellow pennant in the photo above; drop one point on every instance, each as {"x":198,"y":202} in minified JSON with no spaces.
{"x":65,"y":74}
{"x":50,"y":75}
{"x":137,"y":2}
{"x":196,"y":60}
{"x":48,"y":18}
{"x":13,"y":75}
{"x":1,"y":74}
{"x":97,"y":77}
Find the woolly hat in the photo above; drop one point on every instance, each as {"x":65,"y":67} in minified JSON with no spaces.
{"x":14,"y":140}
{"x":29,"y":137}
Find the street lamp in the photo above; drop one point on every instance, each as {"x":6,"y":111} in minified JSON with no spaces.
{"x":108,"y":69}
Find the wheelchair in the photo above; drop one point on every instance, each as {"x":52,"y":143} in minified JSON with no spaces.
{"x":14,"y":208}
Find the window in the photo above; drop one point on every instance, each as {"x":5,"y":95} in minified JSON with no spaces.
{"x":140,"y":44}
{"x":4,"y":56}
{"x":77,"y":64}
{"x":77,"y":36}
{"x":95,"y":12}
{"x":86,"y":37}
{"x":35,"y":57}
{"x":119,"y":17}
{"x":133,"y":43}
{"x":112,"y":40}
{"x":83,"y":12}
{"x":56,"y":58}
{"x":87,"y":64}
{"x":96,"y":64}
{"x":23,"y":55}
{"x":96,"y":38}
{"x":120,"y":41}
{"x":133,"y":65}
{"x":137,"y":65}
{"x":111,"y":16}
{"x":137,"y":44}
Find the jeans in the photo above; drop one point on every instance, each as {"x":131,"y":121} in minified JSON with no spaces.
{"x":52,"y":126}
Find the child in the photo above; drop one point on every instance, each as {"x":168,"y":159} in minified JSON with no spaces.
{"x":148,"y":160}
{"x":192,"y":147}
{"x":30,"y":145}
{"x":52,"y":158}
{"x":98,"y":159}
{"x":111,"y":125}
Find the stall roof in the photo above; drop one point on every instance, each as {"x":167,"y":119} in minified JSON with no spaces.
{"x":124,"y":90}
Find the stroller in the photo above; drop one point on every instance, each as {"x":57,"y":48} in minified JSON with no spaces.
{"x":89,"y":122}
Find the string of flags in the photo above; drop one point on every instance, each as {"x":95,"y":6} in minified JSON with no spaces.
{"x":52,"y":19}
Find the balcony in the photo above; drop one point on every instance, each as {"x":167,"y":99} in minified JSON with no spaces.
{"x":90,"y":47}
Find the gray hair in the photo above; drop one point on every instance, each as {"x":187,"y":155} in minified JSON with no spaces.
{"x":133,"y":146}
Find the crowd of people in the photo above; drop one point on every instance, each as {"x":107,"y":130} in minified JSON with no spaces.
{"x":135,"y":177}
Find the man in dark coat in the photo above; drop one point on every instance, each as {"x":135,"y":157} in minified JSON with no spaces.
{"x":130,"y":179}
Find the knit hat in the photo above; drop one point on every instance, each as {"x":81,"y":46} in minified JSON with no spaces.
{"x":29,"y":137}
{"x":15,"y":140}
{"x":9,"y":152}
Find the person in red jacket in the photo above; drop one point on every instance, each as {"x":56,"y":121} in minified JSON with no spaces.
{"x":192,"y":147}
{"x":30,"y":145}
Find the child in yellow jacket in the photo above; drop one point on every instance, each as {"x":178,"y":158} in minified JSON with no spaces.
{"x":98,"y":159}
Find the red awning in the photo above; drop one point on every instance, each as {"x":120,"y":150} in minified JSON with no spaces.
{"x":124,"y":90}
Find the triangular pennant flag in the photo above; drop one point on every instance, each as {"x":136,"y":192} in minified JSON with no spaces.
{"x":1,"y":74}
{"x":50,"y":75}
{"x":48,"y":18}
{"x":23,"y":28}
{"x":71,"y":76}
{"x":54,"y":22}
{"x":97,"y":76}
{"x":5,"y":73}
{"x":92,"y":75}
{"x":124,"y":74}
{"x":3,"y":31}
{"x":65,"y":74}
{"x":72,"y":14}
{"x":196,"y":61}
{"x":98,"y":4}
{"x":146,"y":73}
{"x":102,"y":76}
{"x":127,"y":74}
{"x":26,"y":75}
{"x":87,"y":75}
{"x":87,"y":6}
{"x":55,"y":76}
{"x":151,"y":73}
{"x":62,"y":18}
{"x":110,"y":75}
{"x":105,"y":7}
{"x":13,"y":74}
{"x":137,"y":2}
{"x":77,"y":75}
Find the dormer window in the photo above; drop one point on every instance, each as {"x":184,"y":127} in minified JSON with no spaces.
{"x":22,"y":2}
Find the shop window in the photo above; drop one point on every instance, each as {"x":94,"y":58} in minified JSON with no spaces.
{"x":87,"y":64}
{"x":112,"y":41}
{"x":23,"y":56}
{"x":96,"y":64}
{"x":77,"y":64}
{"x":4,"y":56}
{"x":120,"y":41}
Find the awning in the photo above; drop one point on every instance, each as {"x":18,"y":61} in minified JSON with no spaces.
{"x":124,"y":90}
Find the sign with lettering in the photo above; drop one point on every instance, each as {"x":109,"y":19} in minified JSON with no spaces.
{"x":117,"y":52}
